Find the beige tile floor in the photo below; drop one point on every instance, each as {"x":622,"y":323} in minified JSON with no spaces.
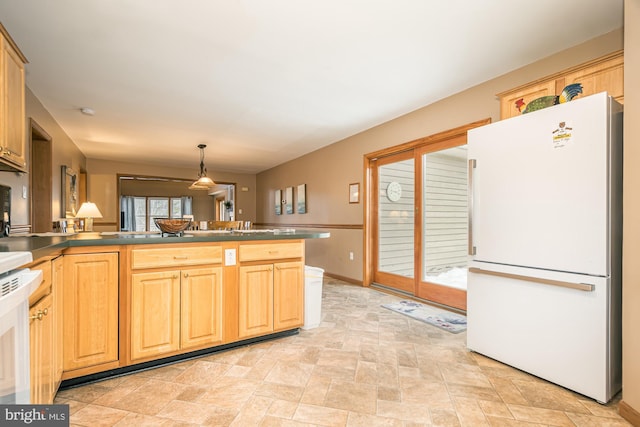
{"x":364,"y":366}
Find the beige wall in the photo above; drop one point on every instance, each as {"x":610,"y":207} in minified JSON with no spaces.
{"x":106,"y":171}
{"x":631,"y":242}
{"x":65,"y":153}
{"x":328,"y":171}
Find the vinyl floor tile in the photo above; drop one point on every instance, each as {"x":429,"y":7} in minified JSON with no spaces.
{"x":364,"y":366}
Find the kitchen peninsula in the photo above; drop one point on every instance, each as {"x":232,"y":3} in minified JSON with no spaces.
{"x":112,"y":303}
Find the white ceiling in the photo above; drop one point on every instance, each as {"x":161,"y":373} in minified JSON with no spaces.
{"x":266,"y":81}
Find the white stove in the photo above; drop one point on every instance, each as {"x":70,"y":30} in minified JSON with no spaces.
{"x":15,"y":287}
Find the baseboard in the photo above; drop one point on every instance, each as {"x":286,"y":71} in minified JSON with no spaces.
{"x":344,"y":279}
{"x":629,"y":414}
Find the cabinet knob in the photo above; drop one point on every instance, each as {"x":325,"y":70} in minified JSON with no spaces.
{"x":186,"y":275}
{"x":38,"y":316}
{"x":175,"y":276}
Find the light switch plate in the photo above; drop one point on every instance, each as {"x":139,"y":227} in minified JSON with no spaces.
{"x":229,"y":257}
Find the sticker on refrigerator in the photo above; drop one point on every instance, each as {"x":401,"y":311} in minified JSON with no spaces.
{"x":562,"y":135}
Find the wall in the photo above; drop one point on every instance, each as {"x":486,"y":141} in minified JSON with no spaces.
{"x":65,"y":152}
{"x":328,"y":171}
{"x":631,"y":233}
{"x":106,"y":172}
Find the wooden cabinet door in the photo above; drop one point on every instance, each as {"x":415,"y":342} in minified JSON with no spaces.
{"x":255,"y":300}
{"x":12,"y":110}
{"x":509,"y":105}
{"x":90,"y":301}
{"x":41,"y":348}
{"x":201,"y":307}
{"x":288,"y":295}
{"x":604,"y":76}
{"x":155,"y":313}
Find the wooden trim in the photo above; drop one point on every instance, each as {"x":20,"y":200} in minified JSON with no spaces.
{"x":40,"y":177}
{"x":629,"y":414}
{"x":561,"y":74}
{"x":12,"y":43}
{"x":428,"y":140}
{"x":344,"y":279}
{"x":334,"y":226}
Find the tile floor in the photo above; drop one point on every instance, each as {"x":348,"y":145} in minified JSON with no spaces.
{"x":364,"y":366}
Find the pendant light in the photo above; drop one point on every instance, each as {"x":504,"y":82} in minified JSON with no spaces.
{"x":203,"y":182}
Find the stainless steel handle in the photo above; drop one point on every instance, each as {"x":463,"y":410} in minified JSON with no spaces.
{"x":472,"y":165}
{"x":587,"y":287}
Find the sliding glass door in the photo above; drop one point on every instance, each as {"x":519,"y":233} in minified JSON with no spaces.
{"x":420,"y":219}
{"x":443,"y":225}
{"x":394,"y":182}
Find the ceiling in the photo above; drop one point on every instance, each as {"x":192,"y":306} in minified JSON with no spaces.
{"x":262,"y":82}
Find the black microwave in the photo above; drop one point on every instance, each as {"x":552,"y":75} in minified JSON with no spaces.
{"x":5,"y":210}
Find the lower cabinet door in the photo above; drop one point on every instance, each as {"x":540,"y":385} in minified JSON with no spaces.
{"x":41,"y":347}
{"x":155,"y":313}
{"x":90,"y":302}
{"x":201,"y":307}
{"x":255,"y":300}
{"x":288,"y":295}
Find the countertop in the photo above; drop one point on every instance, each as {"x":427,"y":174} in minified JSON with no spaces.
{"x":44,"y":244}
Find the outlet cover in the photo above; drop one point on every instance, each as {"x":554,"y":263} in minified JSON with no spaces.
{"x":229,"y":257}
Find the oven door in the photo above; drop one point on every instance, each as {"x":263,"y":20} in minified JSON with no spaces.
{"x":14,"y":340}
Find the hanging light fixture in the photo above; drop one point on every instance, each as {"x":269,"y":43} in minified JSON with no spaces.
{"x":203,"y":182}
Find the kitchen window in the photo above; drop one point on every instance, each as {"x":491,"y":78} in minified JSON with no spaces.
{"x":138,"y":213}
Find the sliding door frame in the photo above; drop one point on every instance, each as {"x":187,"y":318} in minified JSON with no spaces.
{"x":435,"y":142}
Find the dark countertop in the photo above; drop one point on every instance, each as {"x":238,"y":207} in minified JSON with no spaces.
{"x":45,"y":244}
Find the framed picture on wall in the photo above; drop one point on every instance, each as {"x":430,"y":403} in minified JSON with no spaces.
{"x":278,"y":202}
{"x":288,"y":200}
{"x":301,"y":199}
{"x":354,"y":192}
{"x":69,"y":193}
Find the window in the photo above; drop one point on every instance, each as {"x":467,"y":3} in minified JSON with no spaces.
{"x":138,"y":213}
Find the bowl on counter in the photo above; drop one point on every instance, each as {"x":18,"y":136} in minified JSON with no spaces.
{"x":172,"y":225}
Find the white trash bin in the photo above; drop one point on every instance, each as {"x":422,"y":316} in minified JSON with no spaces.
{"x":312,"y":296}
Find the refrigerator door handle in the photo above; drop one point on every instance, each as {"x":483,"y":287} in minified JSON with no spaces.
{"x":587,"y":287}
{"x":471,"y":248}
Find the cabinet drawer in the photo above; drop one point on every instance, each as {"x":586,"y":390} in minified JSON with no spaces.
{"x":269,"y":251}
{"x":172,"y":256}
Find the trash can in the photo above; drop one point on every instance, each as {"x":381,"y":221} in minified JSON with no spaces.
{"x":312,"y":296}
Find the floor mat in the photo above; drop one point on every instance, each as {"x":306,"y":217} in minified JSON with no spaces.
{"x":452,"y":322}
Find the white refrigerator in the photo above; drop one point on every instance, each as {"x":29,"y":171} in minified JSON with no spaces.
{"x":545,"y":243}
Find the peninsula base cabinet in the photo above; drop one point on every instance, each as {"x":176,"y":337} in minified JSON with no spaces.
{"x":175,"y":310}
{"x":102,"y":309}
{"x":270,"y":298}
{"x":90,"y":300}
{"x":176,"y":299}
{"x":270,"y":288}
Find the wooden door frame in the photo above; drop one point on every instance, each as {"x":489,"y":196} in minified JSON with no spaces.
{"x":42,"y":175}
{"x":368,"y":192}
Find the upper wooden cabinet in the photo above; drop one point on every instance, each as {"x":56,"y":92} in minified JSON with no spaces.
{"x":602,"y":74}
{"x":12,"y":105}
